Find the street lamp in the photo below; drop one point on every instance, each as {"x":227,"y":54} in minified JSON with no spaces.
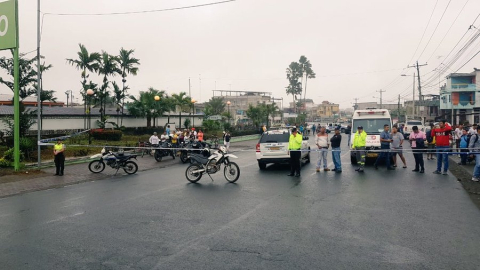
{"x":193,"y":112}
{"x":228,"y":104}
{"x":90,"y":93}
{"x":157,"y":99}
{"x":420,"y":98}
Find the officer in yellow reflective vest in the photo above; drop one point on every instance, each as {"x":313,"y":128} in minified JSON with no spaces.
{"x":58,"y":150}
{"x":359,"y":142}
{"x":295,"y":147}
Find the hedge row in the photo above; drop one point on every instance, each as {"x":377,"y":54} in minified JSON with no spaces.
{"x":106,"y":134}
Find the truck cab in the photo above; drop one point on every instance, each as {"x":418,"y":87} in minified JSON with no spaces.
{"x":373,"y":122}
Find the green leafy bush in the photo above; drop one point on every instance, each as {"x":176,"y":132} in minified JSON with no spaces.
{"x":82,"y":151}
{"x":106,"y":134}
{"x":5,"y":163}
{"x":8,"y":155}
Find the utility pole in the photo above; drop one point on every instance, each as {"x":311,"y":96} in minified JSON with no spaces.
{"x":68,"y":96}
{"x":189,"y":90}
{"x":398,"y":109}
{"x":39,"y":90}
{"x":381,"y":91}
{"x":413,"y":102}
{"x":417,"y":66}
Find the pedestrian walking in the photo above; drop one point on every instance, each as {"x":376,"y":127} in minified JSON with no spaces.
{"x":463,"y":146}
{"x":59,"y":157}
{"x":442,"y":138}
{"x":417,"y":140}
{"x":385,"y":141}
{"x":295,"y":147}
{"x":227,"y":139}
{"x":336,"y":140}
{"x":474,"y":147}
{"x":321,"y":140}
{"x":314,"y":127}
{"x":430,"y":143}
{"x":359,"y":142}
{"x":397,"y":146}
{"x":301,"y":129}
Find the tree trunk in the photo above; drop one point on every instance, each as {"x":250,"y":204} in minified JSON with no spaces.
{"x":180,"y":120}
{"x":123,"y":96}
{"x":149,"y":121}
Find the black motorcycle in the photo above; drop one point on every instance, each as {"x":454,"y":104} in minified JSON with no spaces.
{"x":114,"y":160}
{"x":193,"y":147}
{"x":165,"y":149}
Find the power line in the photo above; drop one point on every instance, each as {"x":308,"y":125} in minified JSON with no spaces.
{"x":448,"y":31}
{"x":435,"y":30}
{"x":138,"y":12}
{"x":424,"y":32}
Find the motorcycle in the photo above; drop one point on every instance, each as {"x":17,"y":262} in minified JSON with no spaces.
{"x":164,"y":150}
{"x":189,"y":148}
{"x":209,"y":165}
{"x":114,"y":160}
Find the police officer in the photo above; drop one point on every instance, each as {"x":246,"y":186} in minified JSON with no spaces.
{"x":359,"y":142}
{"x":58,"y":150}
{"x":295,"y":147}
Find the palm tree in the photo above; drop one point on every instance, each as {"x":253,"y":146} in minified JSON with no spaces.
{"x":86,"y":62}
{"x":294,"y":87}
{"x":215,"y":106}
{"x":269,"y":109}
{"x":146,"y":106}
{"x":107,"y":66}
{"x":306,"y":68}
{"x":181,"y":101}
{"x":128,"y":66}
{"x":45,"y":95}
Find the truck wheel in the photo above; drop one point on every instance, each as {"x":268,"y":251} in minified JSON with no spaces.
{"x":353,"y":160}
{"x":262,"y":165}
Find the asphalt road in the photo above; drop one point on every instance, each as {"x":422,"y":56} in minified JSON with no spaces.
{"x":267,"y":220}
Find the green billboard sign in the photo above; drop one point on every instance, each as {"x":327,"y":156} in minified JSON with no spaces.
{"x":8,"y":25}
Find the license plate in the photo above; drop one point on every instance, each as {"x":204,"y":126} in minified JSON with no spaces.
{"x":372,"y":155}
{"x":274,"y":148}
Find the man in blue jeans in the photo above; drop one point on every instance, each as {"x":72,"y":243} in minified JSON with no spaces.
{"x":336,"y":140}
{"x":385,"y":140}
{"x":442,"y":138}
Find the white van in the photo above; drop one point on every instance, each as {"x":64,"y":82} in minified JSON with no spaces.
{"x":373,"y":122}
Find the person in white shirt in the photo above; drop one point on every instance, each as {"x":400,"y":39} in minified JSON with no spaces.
{"x":473,"y":129}
{"x":458,"y":135}
{"x":154,"y":139}
{"x":321,"y":140}
{"x":164,"y":137}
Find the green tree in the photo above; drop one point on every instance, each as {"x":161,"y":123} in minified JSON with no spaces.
{"x":268,"y":110}
{"x":255,"y":113}
{"x":86,"y":62}
{"x":128,"y":65}
{"x":27,"y":76}
{"x":108,"y":67}
{"x":294,"y":87}
{"x":182,"y":102}
{"x":145,"y":105}
{"x":27,"y":119}
{"x":215,"y":106}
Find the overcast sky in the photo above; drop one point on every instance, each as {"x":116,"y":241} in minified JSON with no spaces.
{"x":355,"y":47}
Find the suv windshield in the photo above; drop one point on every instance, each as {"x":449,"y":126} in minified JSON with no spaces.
{"x":371,"y":126}
{"x":414,"y":123}
{"x":274,"y":137}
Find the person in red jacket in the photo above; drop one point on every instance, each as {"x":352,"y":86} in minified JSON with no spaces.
{"x":442,"y":138}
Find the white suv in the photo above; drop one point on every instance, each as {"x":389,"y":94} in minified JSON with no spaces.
{"x":409,"y":124}
{"x":273,"y":148}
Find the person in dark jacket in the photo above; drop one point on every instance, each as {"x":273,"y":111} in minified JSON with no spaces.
{"x":335,"y":141}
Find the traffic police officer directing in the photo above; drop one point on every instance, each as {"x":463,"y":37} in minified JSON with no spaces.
{"x":295,"y":147}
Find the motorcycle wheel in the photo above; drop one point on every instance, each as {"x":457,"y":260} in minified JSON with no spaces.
{"x":191,"y":176}
{"x":158,"y":156}
{"x":231,"y":172}
{"x":130,"y":167}
{"x":184,"y":157}
{"x":96,"y":166}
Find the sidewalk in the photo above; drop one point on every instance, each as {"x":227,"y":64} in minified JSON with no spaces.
{"x":78,"y":173}
{"x":464,"y":174}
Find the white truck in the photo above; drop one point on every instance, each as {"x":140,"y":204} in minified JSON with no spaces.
{"x":373,"y":122}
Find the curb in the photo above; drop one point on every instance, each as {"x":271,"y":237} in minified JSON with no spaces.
{"x":464,"y":175}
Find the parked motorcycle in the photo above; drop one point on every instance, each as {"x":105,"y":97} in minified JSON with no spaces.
{"x":189,"y":148}
{"x":164,"y":150}
{"x":114,"y":160}
{"x":209,"y":165}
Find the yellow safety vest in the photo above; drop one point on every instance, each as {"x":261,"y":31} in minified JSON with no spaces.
{"x":295,"y":143}
{"x":360,"y":140}
{"x":58,"y":147}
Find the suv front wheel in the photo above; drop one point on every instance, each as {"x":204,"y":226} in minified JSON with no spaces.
{"x":262,"y":165}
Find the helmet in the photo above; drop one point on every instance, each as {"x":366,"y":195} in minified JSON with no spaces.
{"x":223,"y":149}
